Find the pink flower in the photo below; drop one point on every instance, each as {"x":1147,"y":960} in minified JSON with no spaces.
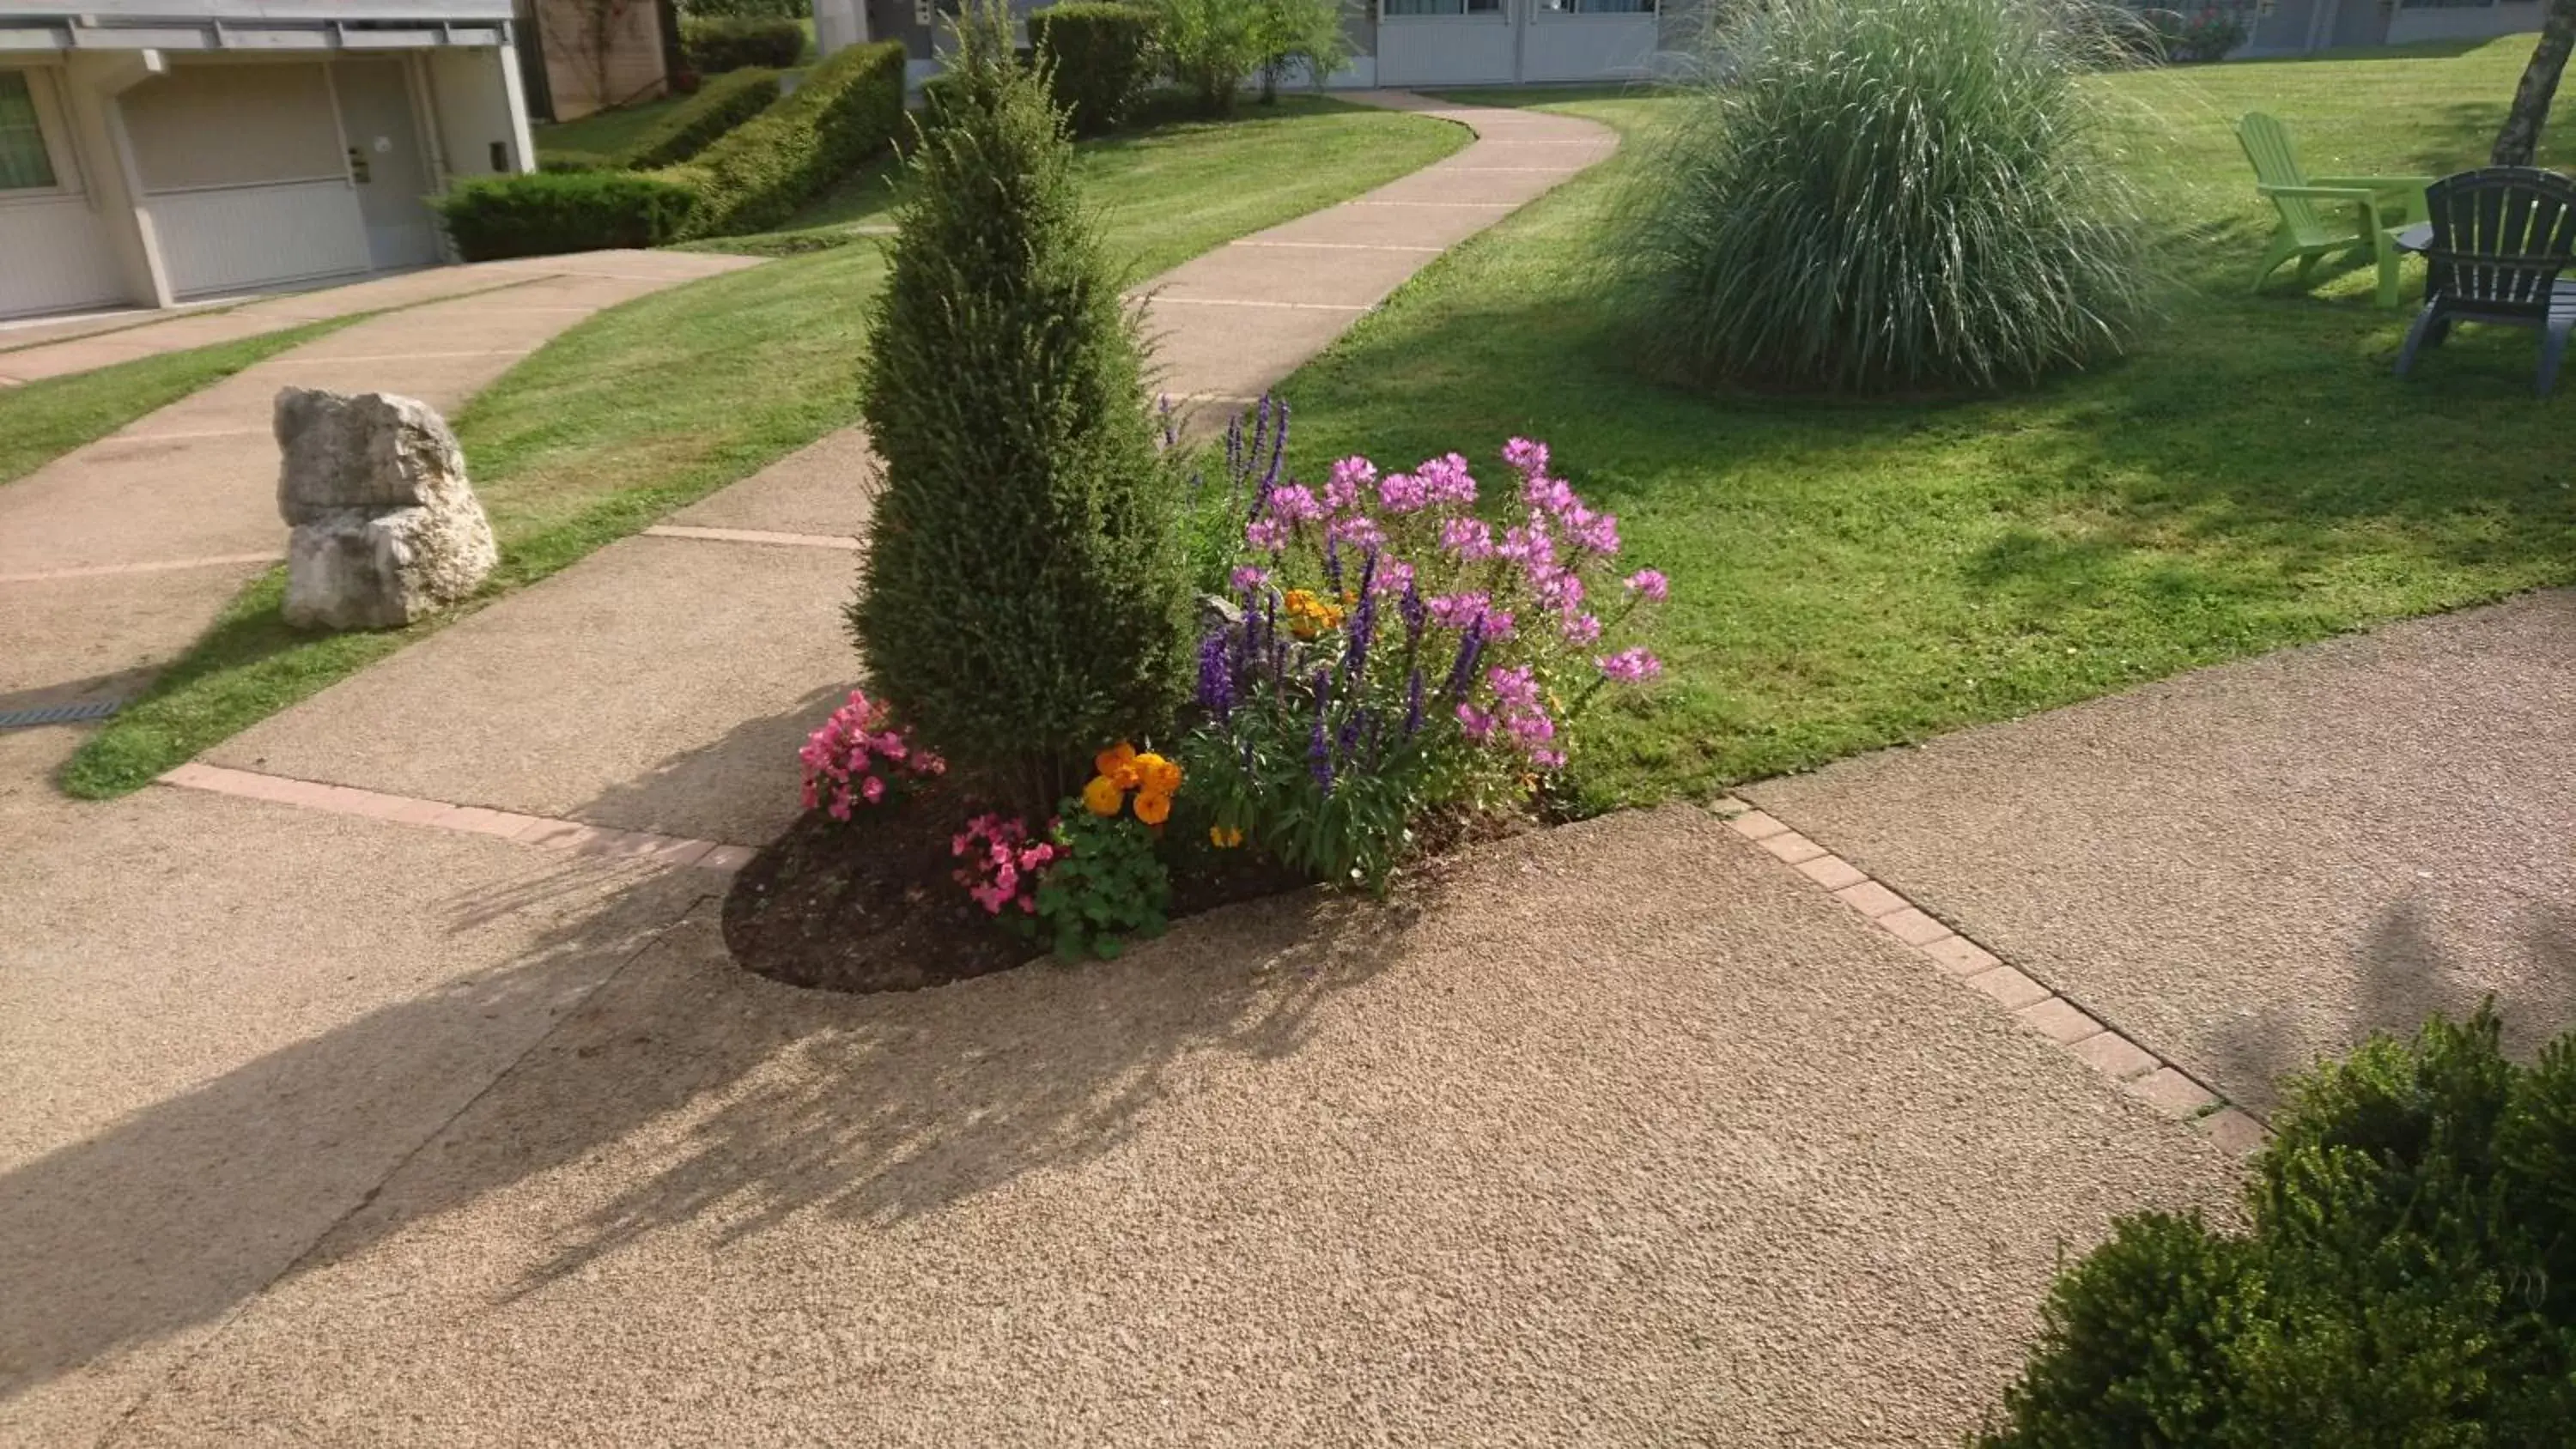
{"x":1526,"y":455}
{"x":1516,"y":686}
{"x":873,"y":790}
{"x":1649,"y":584}
{"x":1447,"y":480}
{"x":1597,"y":532}
{"x":1479,"y":724}
{"x":1349,"y":476}
{"x":1498,"y":624}
{"x":1457,"y":611}
{"x":1554,"y":495}
{"x":1394,"y":575}
{"x":1296,"y":504}
{"x":1267,"y":535}
{"x":1581,"y":628}
{"x":1402,"y":493}
{"x":1630,"y":666}
{"x":1472,"y":539}
{"x":1548,"y":759}
{"x":1358,"y":531}
{"x":1248,"y":577}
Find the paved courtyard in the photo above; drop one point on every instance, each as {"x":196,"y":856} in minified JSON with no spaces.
{"x":381,"y":1078}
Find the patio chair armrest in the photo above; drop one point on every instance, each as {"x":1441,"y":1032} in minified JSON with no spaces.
{"x":2319,"y":193}
{"x":2375,"y":183}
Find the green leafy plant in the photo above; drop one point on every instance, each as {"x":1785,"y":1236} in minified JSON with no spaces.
{"x":1298,"y":35}
{"x":695,"y":124}
{"x":1209,"y":48}
{"x":553,"y":212}
{"x":733,"y":43}
{"x":2410,"y":1276}
{"x":756,"y":175}
{"x":1104,"y":887}
{"x":1098,"y":56}
{"x":1023,"y":595}
{"x":1886,"y":195}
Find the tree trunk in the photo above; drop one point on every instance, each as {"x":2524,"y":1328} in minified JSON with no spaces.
{"x":2519,"y":141}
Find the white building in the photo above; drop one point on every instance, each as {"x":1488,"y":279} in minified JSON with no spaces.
{"x":158,"y":151}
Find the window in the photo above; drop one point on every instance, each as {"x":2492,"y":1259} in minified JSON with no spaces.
{"x":1597,"y":7}
{"x":1444,"y":7}
{"x":25,"y":165}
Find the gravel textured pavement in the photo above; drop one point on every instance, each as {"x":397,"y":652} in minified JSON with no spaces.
{"x":2247,"y":867}
{"x":1622,"y":1133}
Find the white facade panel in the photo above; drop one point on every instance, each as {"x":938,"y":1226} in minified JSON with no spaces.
{"x":228,"y":238}
{"x":1447,"y":50}
{"x":1589,"y":47}
{"x":2462,"y":22}
{"x":58,"y":258}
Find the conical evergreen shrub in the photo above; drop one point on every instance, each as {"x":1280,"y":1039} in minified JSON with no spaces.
{"x":1024,"y":600}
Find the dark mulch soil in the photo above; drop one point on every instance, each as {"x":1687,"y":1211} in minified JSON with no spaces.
{"x":871,"y":905}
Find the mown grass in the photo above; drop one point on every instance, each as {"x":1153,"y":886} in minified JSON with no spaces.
{"x":661,"y":401}
{"x":1172,"y":191}
{"x":604,"y":133}
{"x":42,"y":420}
{"x":1852,"y":575}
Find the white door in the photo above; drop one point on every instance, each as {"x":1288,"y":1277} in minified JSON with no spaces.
{"x":1433,"y":43}
{"x":1584,"y":40}
{"x":386,"y":166}
{"x":1447,"y":42}
{"x":244,"y":175}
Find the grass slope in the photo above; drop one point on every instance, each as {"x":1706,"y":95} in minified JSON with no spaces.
{"x":42,"y":420}
{"x":1851,"y":575}
{"x":665,"y":399}
{"x":604,"y":133}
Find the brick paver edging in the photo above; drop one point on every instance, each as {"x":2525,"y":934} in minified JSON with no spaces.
{"x":552,"y":833}
{"x":2145,"y":1076}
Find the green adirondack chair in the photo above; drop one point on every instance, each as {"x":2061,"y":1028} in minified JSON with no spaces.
{"x":2323,"y":216}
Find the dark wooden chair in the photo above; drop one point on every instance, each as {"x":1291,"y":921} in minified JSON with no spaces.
{"x":2500,"y":238}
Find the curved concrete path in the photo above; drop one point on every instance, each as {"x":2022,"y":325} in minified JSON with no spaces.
{"x":115,"y":556}
{"x":333,"y":1121}
{"x":2249,"y":867}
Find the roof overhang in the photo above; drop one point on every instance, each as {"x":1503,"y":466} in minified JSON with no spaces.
{"x":253,"y":26}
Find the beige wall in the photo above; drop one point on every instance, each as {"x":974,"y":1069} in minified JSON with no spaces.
{"x":234,"y":125}
{"x":470,"y":91}
{"x":634,"y":46}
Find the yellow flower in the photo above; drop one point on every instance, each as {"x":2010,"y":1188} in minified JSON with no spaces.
{"x":1157,"y":774}
{"x":1114,"y":759}
{"x":1102,"y":796}
{"x":1224,"y":837}
{"x":1152,"y":807}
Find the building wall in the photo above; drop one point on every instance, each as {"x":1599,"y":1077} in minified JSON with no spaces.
{"x":473,"y":97}
{"x":2463,"y":22}
{"x":632,"y":39}
{"x":55,"y":242}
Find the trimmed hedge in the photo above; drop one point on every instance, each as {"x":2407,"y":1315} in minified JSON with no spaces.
{"x":1099,"y":56}
{"x":846,"y":110}
{"x":556,"y":211}
{"x":2410,"y":1277}
{"x":726,"y":43}
{"x":693,"y":125}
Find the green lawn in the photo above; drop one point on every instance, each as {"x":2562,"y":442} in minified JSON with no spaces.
{"x":667,"y":398}
{"x":1177,"y":190}
{"x":605,"y":133}
{"x":40,"y":421}
{"x":1850,"y":575}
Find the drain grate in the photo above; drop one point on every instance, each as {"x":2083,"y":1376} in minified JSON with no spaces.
{"x":53,"y":714}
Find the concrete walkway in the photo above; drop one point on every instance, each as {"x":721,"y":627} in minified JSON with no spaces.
{"x":2249,"y":867}
{"x":114,"y":557}
{"x":341,"y":1116}
{"x":57,"y":349}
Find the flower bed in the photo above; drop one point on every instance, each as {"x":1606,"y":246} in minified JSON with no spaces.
{"x":1389,"y":663}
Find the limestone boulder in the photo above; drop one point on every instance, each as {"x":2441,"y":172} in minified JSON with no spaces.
{"x":386,"y":527}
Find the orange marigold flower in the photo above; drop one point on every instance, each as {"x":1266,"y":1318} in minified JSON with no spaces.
{"x":1115,"y":758}
{"x":1102,"y":796}
{"x":1224,"y":837}
{"x":1153,"y":807}
{"x":1157,"y":774}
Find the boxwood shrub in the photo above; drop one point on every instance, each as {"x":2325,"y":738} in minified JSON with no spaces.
{"x":724,"y":102}
{"x":730,"y":43}
{"x":756,"y":176}
{"x":559,"y":211}
{"x":1100,"y":56}
{"x":2410,"y":1276}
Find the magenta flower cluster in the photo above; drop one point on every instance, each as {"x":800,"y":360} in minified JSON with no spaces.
{"x":1002,"y":864}
{"x":859,"y":757}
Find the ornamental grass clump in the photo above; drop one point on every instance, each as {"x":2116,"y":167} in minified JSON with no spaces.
{"x":1385,"y":652}
{"x":1024,"y":594}
{"x":1887,"y":195}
